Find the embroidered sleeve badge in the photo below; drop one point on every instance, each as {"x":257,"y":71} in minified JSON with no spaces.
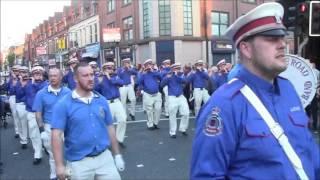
{"x":213,"y":125}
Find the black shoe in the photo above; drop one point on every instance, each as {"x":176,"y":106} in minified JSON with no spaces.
{"x":184,"y":133}
{"x":24,"y":146}
{"x":173,"y":136}
{"x":36,"y":161}
{"x":151,"y":128}
{"x":16,"y":136}
{"x":122,"y":145}
{"x":155,"y":126}
{"x":133,"y":118}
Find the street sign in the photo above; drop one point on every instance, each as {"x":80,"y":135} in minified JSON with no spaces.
{"x":41,"y":50}
{"x":299,"y":72}
{"x":111,"y":35}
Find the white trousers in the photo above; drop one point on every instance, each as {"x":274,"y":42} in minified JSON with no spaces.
{"x":178,"y":104}
{"x":152,"y":105}
{"x":165,"y":91}
{"x":22,"y":122}
{"x":34,"y":134}
{"x":47,"y":145}
{"x":127,"y":92}
{"x":12,"y":103}
{"x":199,"y":97}
{"x":101,"y":167}
{"x":119,"y":115}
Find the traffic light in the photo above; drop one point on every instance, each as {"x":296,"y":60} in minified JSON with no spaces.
{"x":303,"y":17}
{"x":296,"y":16}
{"x":314,"y":18}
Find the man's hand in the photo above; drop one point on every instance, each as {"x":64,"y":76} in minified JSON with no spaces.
{"x":119,"y":162}
{"x":61,"y":172}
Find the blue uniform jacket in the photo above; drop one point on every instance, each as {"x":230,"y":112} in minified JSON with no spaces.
{"x":45,"y":100}
{"x":165,"y":71}
{"x":10,"y":88}
{"x":20,"y":93}
{"x":220,"y":79}
{"x":232,"y":141}
{"x":198,"y":79}
{"x":174,"y":83}
{"x":150,"y":82}
{"x":125,"y":74}
{"x":69,"y":80}
{"x":31,"y":90}
{"x":109,"y":88}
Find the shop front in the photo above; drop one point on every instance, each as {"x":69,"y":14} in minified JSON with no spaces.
{"x":222,"y":49}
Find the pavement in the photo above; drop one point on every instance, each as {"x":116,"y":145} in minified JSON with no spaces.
{"x":148,"y":154}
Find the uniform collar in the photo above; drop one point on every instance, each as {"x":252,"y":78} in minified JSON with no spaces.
{"x":86,"y":100}
{"x":52,"y":90}
{"x":257,"y":82}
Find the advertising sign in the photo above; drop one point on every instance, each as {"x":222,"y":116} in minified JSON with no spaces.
{"x":111,"y":35}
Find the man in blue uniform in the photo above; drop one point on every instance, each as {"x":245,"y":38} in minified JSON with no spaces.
{"x":127,"y":73}
{"x":30,"y":90}
{"x":13,"y":79}
{"x":254,"y":127}
{"x":109,"y":87}
{"x":84,"y":118}
{"x":149,"y":82}
{"x":68,"y":78}
{"x":43,"y":104}
{"x":23,"y":79}
{"x":165,"y":70}
{"x":177,"y":102}
{"x":199,"y":80}
{"x":222,"y":75}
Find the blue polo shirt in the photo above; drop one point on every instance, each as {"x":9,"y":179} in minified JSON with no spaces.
{"x":45,"y":100}
{"x":149,"y":82}
{"x":125,"y":74}
{"x":69,"y":80}
{"x":232,"y":141}
{"x":31,"y":90}
{"x":20,"y":93}
{"x":175,"y":84}
{"x":84,"y":125}
{"x":109,"y":88}
{"x":198,"y":79}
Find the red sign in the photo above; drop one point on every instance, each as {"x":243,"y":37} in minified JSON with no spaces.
{"x":41,"y":50}
{"x":111,"y":34}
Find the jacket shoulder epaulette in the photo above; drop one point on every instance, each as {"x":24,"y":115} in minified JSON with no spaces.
{"x":230,"y":89}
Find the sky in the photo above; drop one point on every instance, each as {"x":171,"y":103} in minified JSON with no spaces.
{"x":19,"y":17}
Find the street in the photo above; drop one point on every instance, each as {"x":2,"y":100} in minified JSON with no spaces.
{"x":148,"y":154}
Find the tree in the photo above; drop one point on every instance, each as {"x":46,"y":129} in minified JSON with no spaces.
{"x":11,"y":57}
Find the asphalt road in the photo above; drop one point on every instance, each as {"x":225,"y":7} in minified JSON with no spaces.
{"x":148,"y":154}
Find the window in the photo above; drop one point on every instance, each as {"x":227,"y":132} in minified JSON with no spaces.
{"x":249,"y":1}
{"x":187,"y":17}
{"x":91,"y":34}
{"x":146,"y":19}
{"x":111,"y":25}
{"x":111,"y":5}
{"x":125,"y":2}
{"x":127,"y":28}
{"x":95,"y":32}
{"x":164,"y":18}
{"x":219,"y":23}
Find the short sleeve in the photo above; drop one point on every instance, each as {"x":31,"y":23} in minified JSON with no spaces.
{"x":38,"y":104}
{"x":59,"y":115}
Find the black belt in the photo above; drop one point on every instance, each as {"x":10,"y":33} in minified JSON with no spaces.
{"x":95,"y":155}
{"x":112,"y":100}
